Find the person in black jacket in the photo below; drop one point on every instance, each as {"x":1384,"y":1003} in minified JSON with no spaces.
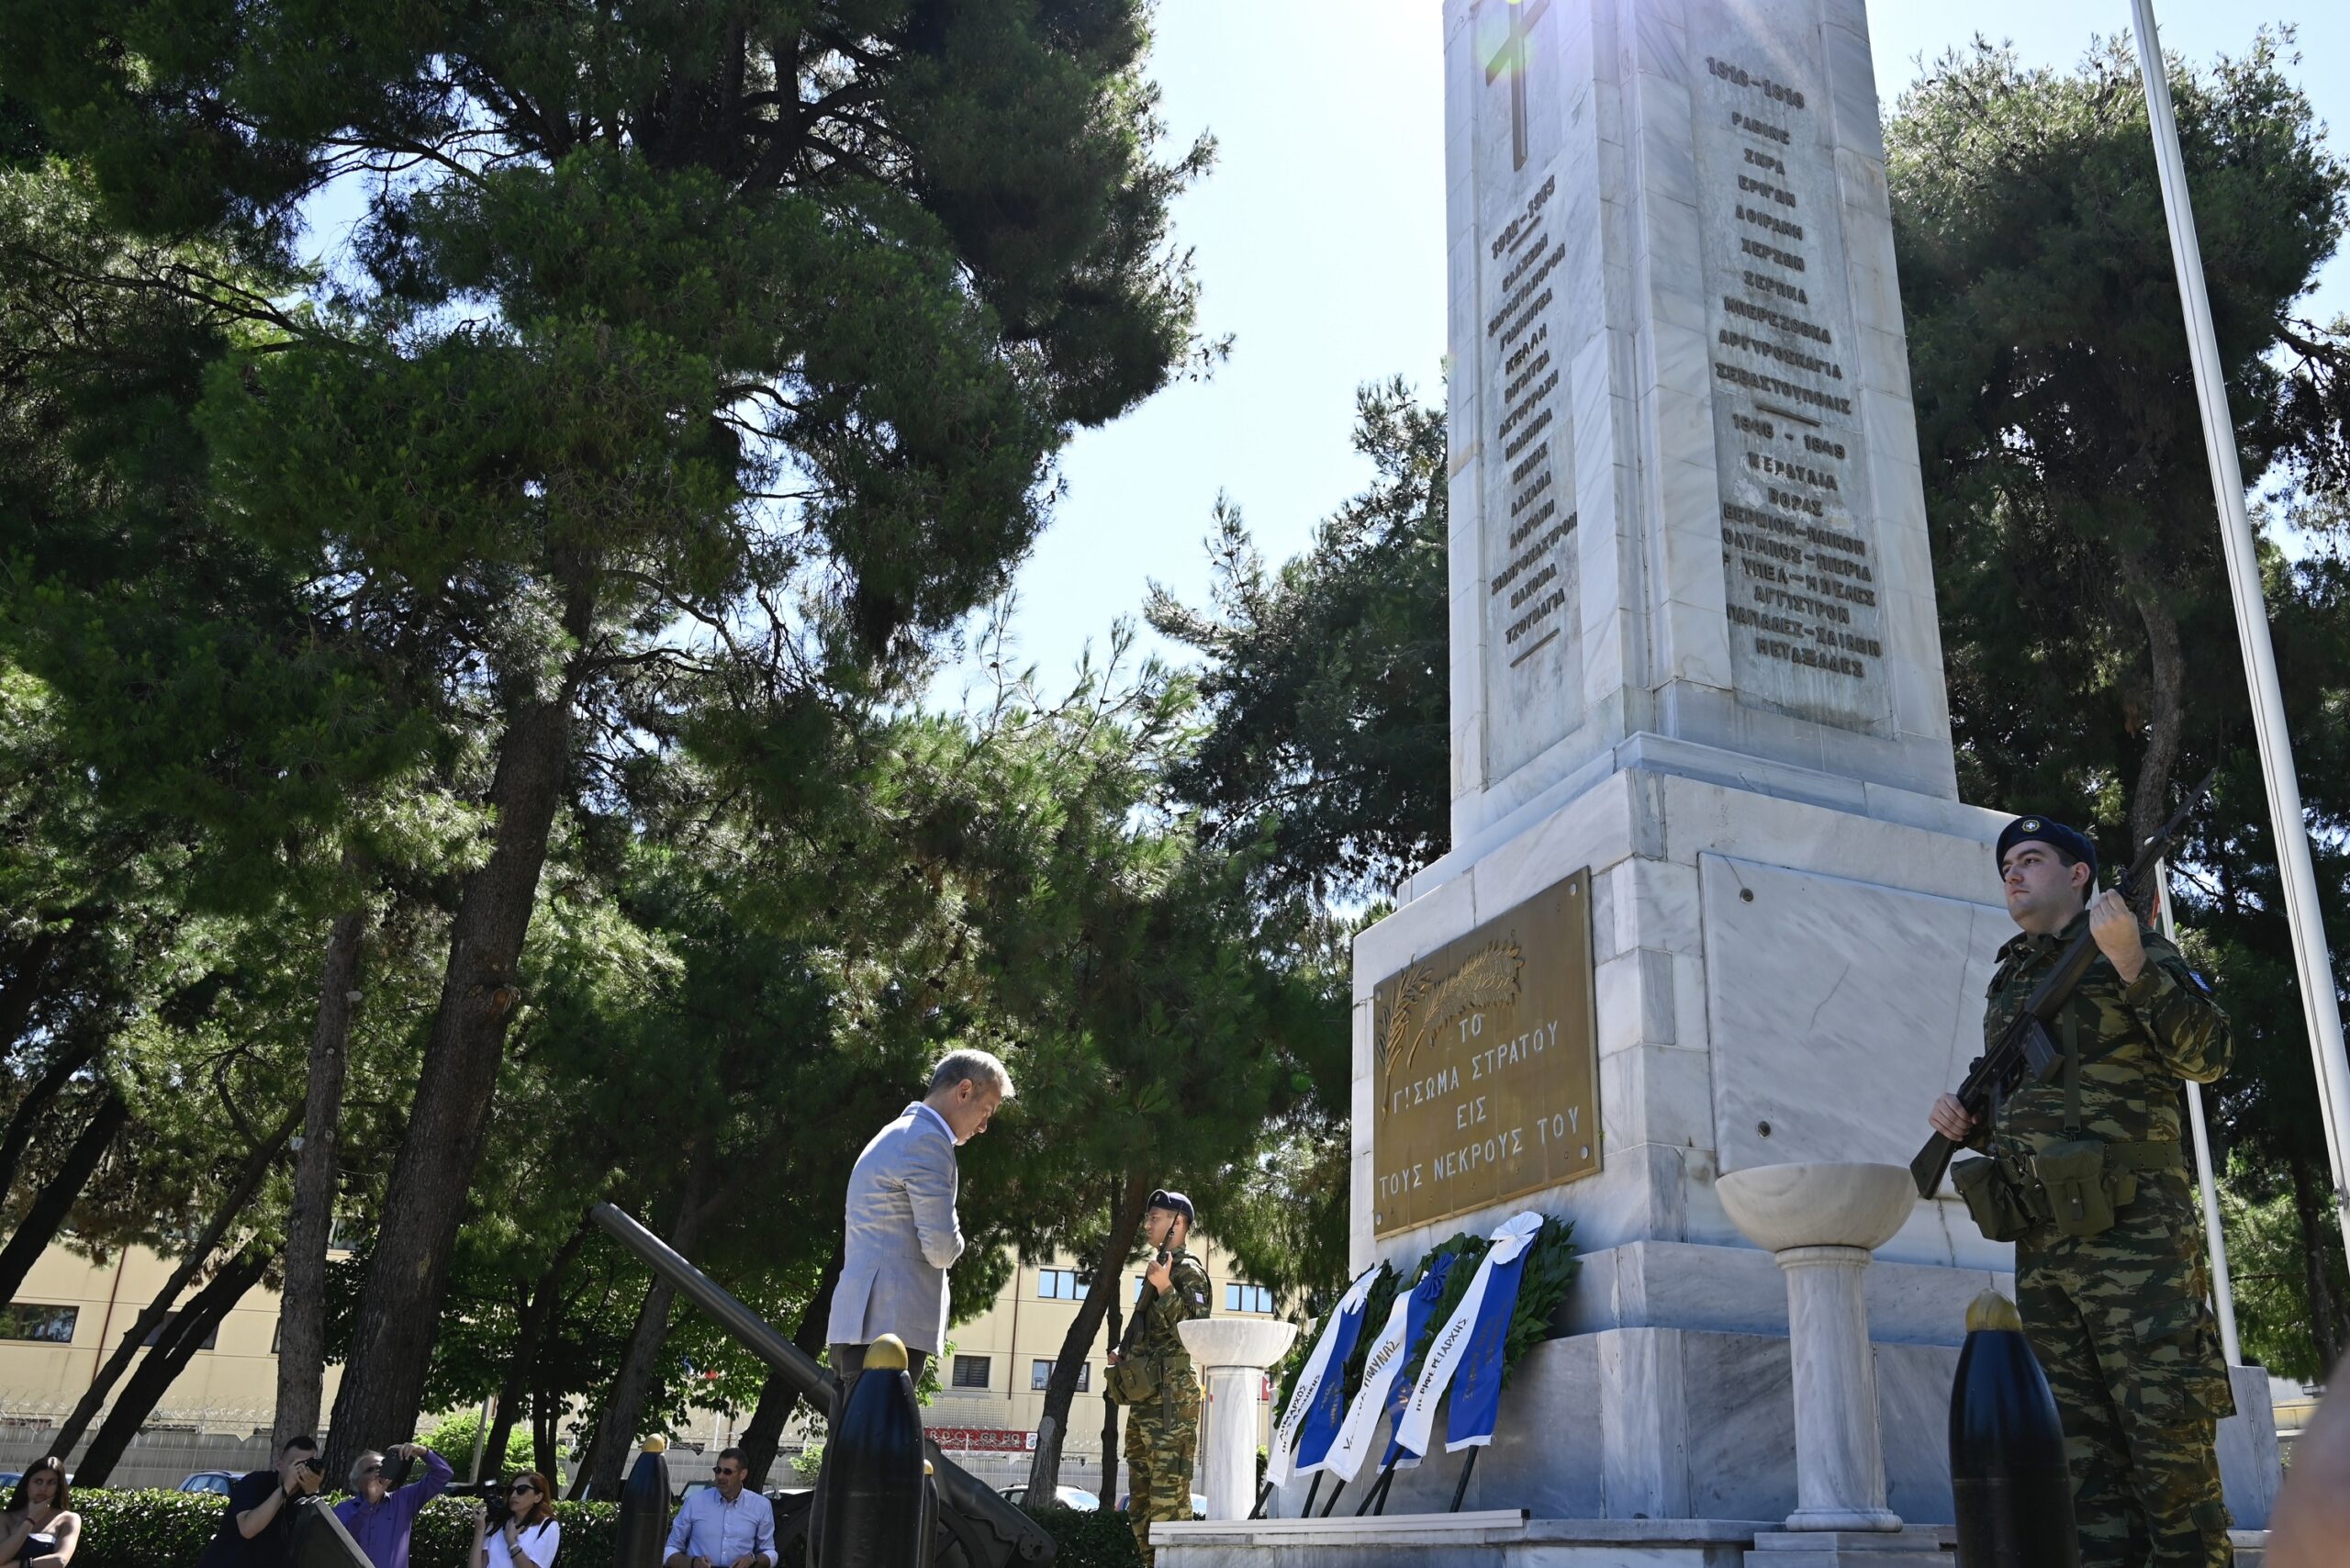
{"x":257,"y":1528}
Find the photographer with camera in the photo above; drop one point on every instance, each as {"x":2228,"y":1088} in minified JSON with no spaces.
{"x":525,"y":1535}
{"x":257,"y":1527}
{"x":380,"y":1518}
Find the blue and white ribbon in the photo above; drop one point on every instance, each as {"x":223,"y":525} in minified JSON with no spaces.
{"x":1381,"y":1367}
{"x":1470,"y":1345}
{"x":1318,"y":1401}
{"x":1424,"y":1299}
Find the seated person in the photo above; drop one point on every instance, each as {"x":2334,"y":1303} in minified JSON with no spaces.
{"x":40,"y":1527}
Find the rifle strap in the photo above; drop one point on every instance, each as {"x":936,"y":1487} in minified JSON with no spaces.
{"x":2072,"y":1072}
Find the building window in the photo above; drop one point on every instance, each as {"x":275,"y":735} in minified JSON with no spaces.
{"x":1059,"y":1284}
{"x":211,"y":1335}
{"x":28,"y":1320}
{"x":1247,"y":1298}
{"x":1040,"y":1376}
{"x":970,"y":1372}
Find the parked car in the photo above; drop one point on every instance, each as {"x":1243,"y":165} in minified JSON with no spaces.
{"x":10,"y":1477}
{"x":1067,"y":1497}
{"x":213,"y":1481}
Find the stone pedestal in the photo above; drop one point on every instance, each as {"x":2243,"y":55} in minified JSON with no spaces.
{"x":1821,"y":1222}
{"x":1232,"y":1354}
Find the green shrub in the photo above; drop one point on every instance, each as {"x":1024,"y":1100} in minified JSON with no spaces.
{"x":170,"y":1529}
{"x":145,"y":1529}
{"x":1087,"y":1538}
{"x":453,"y":1438}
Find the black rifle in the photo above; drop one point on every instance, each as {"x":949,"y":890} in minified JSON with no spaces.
{"x":2024,"y":1049}
{"x":1131,"y":1341}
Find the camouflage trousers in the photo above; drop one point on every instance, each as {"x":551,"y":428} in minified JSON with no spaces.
{"x":1162,"y":1439}
{"x":2121,"y":1326}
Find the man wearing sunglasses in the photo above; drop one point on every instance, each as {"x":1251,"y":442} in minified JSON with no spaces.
{"x":381,"y":1519}
{"x":724,"y":1526}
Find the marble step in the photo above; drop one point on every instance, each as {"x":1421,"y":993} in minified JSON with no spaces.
{"x":1503,"y":1538}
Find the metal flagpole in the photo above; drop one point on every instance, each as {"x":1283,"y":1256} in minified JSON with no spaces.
{"x":2223,"y":1295}
{"x":2320,"y":1007}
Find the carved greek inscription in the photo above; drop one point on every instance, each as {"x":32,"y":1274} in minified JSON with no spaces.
{"x":1799,"y":575}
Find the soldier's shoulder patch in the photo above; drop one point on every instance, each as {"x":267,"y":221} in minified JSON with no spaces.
{"x":2194,"y":978}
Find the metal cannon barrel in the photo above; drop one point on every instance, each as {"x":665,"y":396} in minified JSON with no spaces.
{"x":982,"y":1531}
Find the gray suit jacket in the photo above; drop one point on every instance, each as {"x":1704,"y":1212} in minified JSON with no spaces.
{"x":903,"y":1237}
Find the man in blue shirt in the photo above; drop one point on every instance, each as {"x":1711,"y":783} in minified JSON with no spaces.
{"x":724,"y":1525}
{"x":381,"y":1519}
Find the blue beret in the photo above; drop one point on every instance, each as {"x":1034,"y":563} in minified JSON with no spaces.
{"x":2048,"y":831}
{"x":1163,"y":1199}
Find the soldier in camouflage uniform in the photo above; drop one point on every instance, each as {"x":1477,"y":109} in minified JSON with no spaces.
{"x":2087,"y":1179}
{"x":1163,"y":1429}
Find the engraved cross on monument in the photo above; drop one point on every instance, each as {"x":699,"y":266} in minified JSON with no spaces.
{"x":1523,"y":14}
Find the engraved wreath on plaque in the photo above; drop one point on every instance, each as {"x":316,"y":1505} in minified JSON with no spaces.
{"x":1487,"y":1073}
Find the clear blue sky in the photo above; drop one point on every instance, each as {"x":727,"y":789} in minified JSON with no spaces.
{"x":1319,"y":241}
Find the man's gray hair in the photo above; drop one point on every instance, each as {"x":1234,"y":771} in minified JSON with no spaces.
{"x":359,"y":1468}
{"x":983,"y":1067}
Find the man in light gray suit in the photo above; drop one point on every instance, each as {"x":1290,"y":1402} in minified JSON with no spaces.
{"x":903,"y":1231}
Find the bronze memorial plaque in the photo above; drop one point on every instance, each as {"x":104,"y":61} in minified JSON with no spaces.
{"x":1486,"y":1070}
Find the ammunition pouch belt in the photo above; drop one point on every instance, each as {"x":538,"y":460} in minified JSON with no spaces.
{"x":1136,"y":1379}
{"x":1993,"y":1199}
{"x":1148,"y":1380}
{"x":2079,"y":1186}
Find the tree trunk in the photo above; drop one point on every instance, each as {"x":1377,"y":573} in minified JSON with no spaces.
{"x":546,"y":1449}
{"x":1045,"y":1470}
{"x":777,"y":1400}
{"x":302,"y":1317}
{"x":538,"y":1312}
{"x":2313,"y":1213}
{"x":45,"y":1215}
{"x":400,"y":1307}
{"x":588,"y":1459}
{"x":192,"y":1262}
{"x":618,"y":1428}
{"x":165,"y":1362}
{"x":1110,"y":1454}
{"x":27,"y":970}
{"x":2166,"y":726}
{"x":76,"y":1052}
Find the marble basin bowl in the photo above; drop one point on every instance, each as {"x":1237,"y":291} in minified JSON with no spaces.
{"x":1237,"y":1341}
{"x":1823,"y":1204}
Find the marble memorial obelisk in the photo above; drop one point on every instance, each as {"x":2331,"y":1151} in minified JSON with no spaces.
{"x":1713,"y":901}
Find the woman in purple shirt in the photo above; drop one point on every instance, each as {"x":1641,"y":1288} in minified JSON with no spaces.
{"x":381,"y":1519}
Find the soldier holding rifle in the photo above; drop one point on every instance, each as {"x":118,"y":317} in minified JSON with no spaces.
{"x":2085,"y":1177}
{"x":1151,"y":1373}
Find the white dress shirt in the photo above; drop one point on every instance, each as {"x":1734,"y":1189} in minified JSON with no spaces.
{"x":720,"y":1532}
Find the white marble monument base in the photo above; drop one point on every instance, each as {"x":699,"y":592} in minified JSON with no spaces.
{"x":1501,"y":1539}
{"x":1788,"y":966}
{"x":1636,"y":1424}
